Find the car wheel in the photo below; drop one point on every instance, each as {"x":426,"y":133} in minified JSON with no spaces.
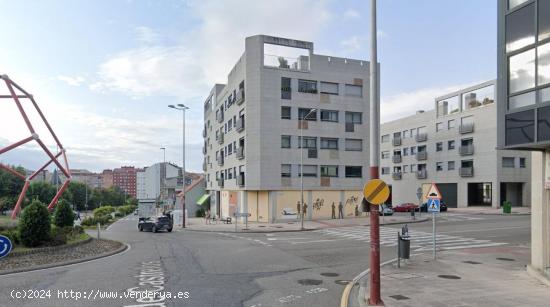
{"x":169,"y":229}
{"x":154,"y":229}
{"x":140,"y":228}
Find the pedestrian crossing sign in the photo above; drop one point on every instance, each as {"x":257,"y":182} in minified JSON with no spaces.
{"x":433,"y":205}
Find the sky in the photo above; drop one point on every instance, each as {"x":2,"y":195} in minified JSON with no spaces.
{"x":104,"y":71}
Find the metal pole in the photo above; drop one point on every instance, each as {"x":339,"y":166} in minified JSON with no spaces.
{"x":183,"y":170}
{"x":302,"y":173}
{"x":374,"y":133}
{"x":433,"y":234}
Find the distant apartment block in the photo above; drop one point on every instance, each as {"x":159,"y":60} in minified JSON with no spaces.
{"x":106,"y":178}
{"x":278,"y":89}
{"x":85,"y":176}
{"x":125,"y":179}
{"x":454,"y":146}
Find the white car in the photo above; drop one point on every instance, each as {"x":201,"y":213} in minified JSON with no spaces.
{"x":385,"y":210}
{"x":289,"y":211}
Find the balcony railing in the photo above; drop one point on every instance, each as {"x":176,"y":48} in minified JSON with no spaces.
{"x":220,"y":138}
{"x":220,"y":182}
{"x":240,"y":153}
{"x":220,"y":161}
{"x":397,"y":176}
{"x":466,"y":150}
{"x":421,"y":174}
{"x":397,"y":159}
{"x":204,"y":150}
{"x":421,"y":137}
{"x":219,"y":117}
{"x":240,"y":97}
{"x":240,"y":180}
{"x":350,"y":127}
{"x":204,"y":166}
{"x":421,"y":155}
{"x":466,"y":128}
{"x":466,"y":171}
{"x":396,"y":141}
{"x":240,"y":124}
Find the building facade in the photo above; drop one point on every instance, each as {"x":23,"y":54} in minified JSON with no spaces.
{"x":106,"y":178}
{"x":253,"y":126}
{"x":524,"y":107}
{"x":85,"y":176}
{"x":453,"y":145}
{"x":125,"y":178}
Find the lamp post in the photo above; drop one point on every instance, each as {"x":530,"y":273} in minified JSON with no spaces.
{"x":182,"y":108}
{"x":302,"y":166}
{"x":162,"y":175}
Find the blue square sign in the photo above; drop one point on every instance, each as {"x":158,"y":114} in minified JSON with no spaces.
{"x":433,"y":205}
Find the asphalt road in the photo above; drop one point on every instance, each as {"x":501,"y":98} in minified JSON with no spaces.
{"x":211,"y":269}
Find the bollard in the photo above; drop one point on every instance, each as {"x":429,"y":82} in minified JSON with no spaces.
{"x":98,"y":228}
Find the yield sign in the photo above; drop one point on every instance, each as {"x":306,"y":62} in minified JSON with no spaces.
{"x":433,"y":192}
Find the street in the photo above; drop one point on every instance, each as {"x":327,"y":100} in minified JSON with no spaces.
{"x":255,"y":269}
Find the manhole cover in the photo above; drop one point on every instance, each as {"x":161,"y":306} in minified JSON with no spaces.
{"x":449,"y":276}
{"x":262,"y":226}
{"x":471,"y":262}
{"x":328,"y":274}
{"x":278,"y":226}
{"x":506,"y":259}
{"x":399,"y":297}
{"x":341,"y":282}
{"x":310,"y":282}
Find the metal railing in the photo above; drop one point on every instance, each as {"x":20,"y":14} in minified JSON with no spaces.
{"x":240,"y":180}
{"x":466,"y":150}
{"x":466,"y":128}
{"x":219,"y":117}
{"x":466,"y":171}
{"x":421,"y":137}
{"x":220,"y":161}
{"x":240,"y":124}
{"x":220,"y":138}
{"x":397,"y":158}
{"x":421,"y":155}
{"x":240,"y":97}
{"x":240,"y":153}
{"x":396,"y":141}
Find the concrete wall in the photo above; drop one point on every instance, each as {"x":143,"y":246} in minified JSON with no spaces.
{"x":540,"y":217}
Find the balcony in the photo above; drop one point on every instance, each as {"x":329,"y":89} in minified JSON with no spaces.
{"x":397,"y":176}
{"x":240,"y":153}
{"x":220,"y":182}
{"x":396,"y":141}
{"x":421,"y":174}
{"x":312,"y":153}
{"x":466,"y":150}
{"x":204,"y":150}
{"x":421,"y":156}
{"x":240,"y":124}
{"x":219,"y":117}
{"x":422,"y":137}
{"x":240,"y":180}
{"x":397,"y":159}
{"x":204,"y":166}
{"x":466,"y":128}
{"x":240,"y":97}
{"x":466,"y":171}
{"x":220,"y":138}
{"x":203,"y":133}
{"x":286,"y":92}
{"x":220,"y":161}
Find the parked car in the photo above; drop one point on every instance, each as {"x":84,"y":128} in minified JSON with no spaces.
{"x":154,"y":224}
{"x":442,"y":207}
{"x":385,"y":210}
{"x":405,"y":207}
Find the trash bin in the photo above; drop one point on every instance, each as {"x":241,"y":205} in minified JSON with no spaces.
{"x":412,"y":213}
{"x":507,"y":207}
{"x":404,"y":247}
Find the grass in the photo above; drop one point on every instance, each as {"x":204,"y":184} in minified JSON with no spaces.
{"x":7,"y":222}
{"x":78,"y":238}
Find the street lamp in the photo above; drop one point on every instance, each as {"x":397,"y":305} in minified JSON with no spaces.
{"x":302,"y":165}
{"x":182,"y":107}
{"x":162,"y":179}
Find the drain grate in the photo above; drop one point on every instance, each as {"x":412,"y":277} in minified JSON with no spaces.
{"x":328,"y":274}
{"x":506,"y":259}
{"x":310,"y":282}
{"x":399,"y":297}
{"x":262,"y":226}
{"x":342,"y":282}
{"x":471,"y":262}
{"x":449,"y":276}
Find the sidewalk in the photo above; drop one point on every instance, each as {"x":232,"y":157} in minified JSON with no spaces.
{"x":466,"y":278}
{"x":198,"y":224}
{"x":489,"y":210}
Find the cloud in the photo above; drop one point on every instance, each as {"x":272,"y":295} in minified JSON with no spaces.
{"x":351,"y":14}
{"x":146,"y":35}
{"x":352,"y":44}
{"x":72,"y":81}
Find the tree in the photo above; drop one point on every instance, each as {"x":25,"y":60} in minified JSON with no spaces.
{"x":42,"y":191}
{"x":34,"y":224}
{"x":78,"y":192}
{"x":64,"y":215}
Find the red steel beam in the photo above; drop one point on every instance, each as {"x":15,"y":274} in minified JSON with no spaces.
{"x":12,"y":171}
{"x":43,"y":167}
{"x":17,"y":86}
{"x":47,"y":123}
{"x":48,"y":152}
{"x":20,"y":200}
{"x":14,"y":145}
{"x":58,"y":195}
{"x":19,"y":106}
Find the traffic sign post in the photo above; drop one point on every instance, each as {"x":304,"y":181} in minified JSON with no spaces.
{"x":419,"y":196}
{"x":5,"y":246}
{"x":433,"y":205}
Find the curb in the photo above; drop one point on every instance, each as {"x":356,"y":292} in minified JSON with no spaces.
{"x":49,"y":248}
{"x":123,"y":247}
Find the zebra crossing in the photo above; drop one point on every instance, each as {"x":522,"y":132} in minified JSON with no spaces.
{"x":420,"y":241}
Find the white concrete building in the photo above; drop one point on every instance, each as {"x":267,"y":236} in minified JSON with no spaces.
{"x":150,"y":181}
{"x":454,"y":146}
{"x":252,"y":132}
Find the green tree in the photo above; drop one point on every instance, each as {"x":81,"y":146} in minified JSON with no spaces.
{"x":42,"y":191}
{"x":64,"y":215}
{"x":78,"y":192}
{"x":10,"y":187}
{"x":34,"y":225}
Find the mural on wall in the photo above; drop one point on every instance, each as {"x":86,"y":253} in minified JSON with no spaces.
{"x":288,"y":205}
{"x":352,"y":203}
{"x":318,"y":204}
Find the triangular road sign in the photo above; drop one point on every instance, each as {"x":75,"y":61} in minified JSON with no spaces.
{"x":433,"y":192}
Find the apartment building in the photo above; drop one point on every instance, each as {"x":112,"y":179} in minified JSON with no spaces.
{"x":524,"y":107}
{"x":279,"y":89}
{"x":454,"y":146}
{"x":85,"y":176}
{"x":107,"y":178}
{"x":125,"y":178}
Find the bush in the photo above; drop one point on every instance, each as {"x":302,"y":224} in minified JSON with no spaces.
{"x":34,"y":224}
{"x":119,"y":214}
{"x":59,"y":235}
{"x":64,"y":215}
{"x":12,"y":234}
{"x":92,"y":221}
{"x":126,"y":209}
{"x":103,"y":211}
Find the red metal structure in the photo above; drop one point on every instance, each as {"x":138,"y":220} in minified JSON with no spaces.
{"x":17,"y":93}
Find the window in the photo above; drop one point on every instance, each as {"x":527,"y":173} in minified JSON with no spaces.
{"x":354,"y":145}
{"x":508,"y":162}
{"x":544,"y":22}
{"x":285,"y":88}
{"x":467,"y":121}
{"x":286,"y":170}
{"x":421,"y":130}
{"x":385,"y":170}
{"x":354,"y":90}
{"x":329,"y":88}
{"x":354,"y":171}
{"x":329,"y":143}
{"x":522,"y":71}
{"x":450,"y":165}
{"x":354,"y":117}
{"x":413,"y":151}
{"x":329,"y":170}
{"x":543,"y":124}
{"x":285,"y":141}
{"x":439,"y":166}
{"x":307,"y":86}
{"x":438,"y":127}
{"x":451,"y":145}
{"x":308,"y":142}
{"x":302,"y":112}
{"x":513,"y":3}
{"x":385,"y":138}
{"x":520,"y":127}
{"x":478,"y":98}
{"x":309,"y":170}
{"x":522,"y":162}
{"x":405,"y":134}
{"x":520,"y":28}
{"x":229,"y":125}
{"x":451,"y":124}
{"x":439,"y":146}
{"x":405,"y":169}
{"x":448,"y":106}
{"x":329,"y":116}
{"x":543,"y":68}
{"x":385,"y":155}
{"x":229,"y":149}
{"x":522,"y":100}
{"x":285,"y":113}
{"x":405,"y":151}
{"x":413,"y":132}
